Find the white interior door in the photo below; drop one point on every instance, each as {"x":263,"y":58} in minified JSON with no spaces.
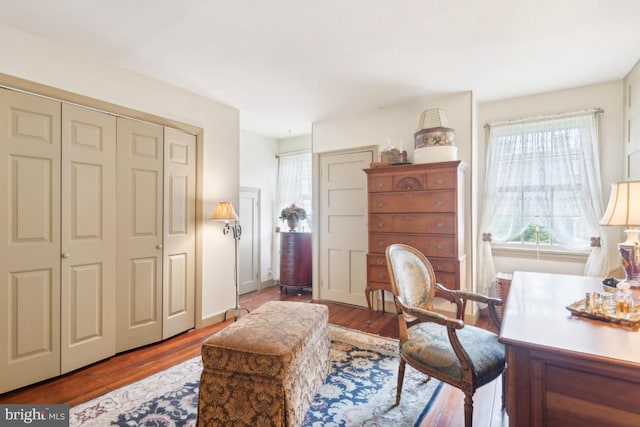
{"x":249,"y":244}
{"x":29,"y":239}
{"x":343,"y":226}
{"x":179,"y":265}
{"x":140,"y":231}
{"x":88,"y":266}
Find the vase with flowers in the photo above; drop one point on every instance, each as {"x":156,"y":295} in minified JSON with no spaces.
{"x":293,"y":215}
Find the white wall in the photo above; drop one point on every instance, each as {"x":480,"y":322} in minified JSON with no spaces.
{"x":259,"y":169}
{"x":607,"y":96}
{"x":41,"y":61}
{"x":395,"y":125}
{"x":632,"y":124}
{"x":294,"y":144}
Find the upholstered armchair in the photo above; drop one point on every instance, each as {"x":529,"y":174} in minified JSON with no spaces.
{"x":465,"y":356}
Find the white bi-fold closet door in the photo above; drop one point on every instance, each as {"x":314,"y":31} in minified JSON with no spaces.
{"x":69,"y":280}
{"x":57,"y":238}
{"x":156,"y":233}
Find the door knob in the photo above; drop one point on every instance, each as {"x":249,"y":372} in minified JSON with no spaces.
{"x":158,"y":246}
{"x":66,"y":254}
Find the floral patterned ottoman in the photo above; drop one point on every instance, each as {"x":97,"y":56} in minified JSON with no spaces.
{"x":265,"y":369}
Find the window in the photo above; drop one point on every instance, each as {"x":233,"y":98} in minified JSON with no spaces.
{"x":294,"y":184}
{"x":542,"y":185}
{"x":541,"y":180}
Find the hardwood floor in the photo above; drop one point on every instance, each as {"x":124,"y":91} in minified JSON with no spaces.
{"x":117,"y":371}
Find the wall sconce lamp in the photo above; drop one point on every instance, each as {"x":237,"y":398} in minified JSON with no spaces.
{"x":225,"y":212}
{"x":624,"y":210}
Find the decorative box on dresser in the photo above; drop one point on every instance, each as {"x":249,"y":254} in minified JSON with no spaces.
{"x":420,"y":205}
{"x":295,"y":260}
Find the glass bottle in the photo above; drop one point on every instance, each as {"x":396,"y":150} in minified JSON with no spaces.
{"x":624,"y":300}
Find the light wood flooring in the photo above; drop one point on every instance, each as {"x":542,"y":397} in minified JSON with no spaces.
{"x":117,"y":371}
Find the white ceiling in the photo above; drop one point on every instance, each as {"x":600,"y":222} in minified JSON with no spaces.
{"x":286,"y":64}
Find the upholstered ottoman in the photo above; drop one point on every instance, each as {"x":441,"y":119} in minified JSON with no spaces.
{"x":265,"y":369}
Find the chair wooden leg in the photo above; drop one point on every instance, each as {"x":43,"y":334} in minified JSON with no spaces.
{"x":401,"y":367}
{"x":468,"y":410}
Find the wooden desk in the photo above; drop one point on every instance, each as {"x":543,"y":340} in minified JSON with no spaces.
{"x":565,"y":370}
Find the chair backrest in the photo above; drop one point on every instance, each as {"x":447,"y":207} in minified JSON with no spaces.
{"x":413,"y":281}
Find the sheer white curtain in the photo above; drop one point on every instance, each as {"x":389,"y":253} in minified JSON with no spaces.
{"x":545,"y":172}
{"x":294,"y":185}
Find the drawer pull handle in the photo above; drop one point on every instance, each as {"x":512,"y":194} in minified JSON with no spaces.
{"x":440,"y":224}
{"x":408,"y":196}
{"x":410,"y":238}
{"x":380,"y":223}
{"x":439,"y":181}
{"x":439,"y":202}
{"x":440,"y":268}
{"x":381,"y":276}
{"x":408,"y":218}
{"x":380,"y":261}
{"x":439,"y":247}
{"x":408,"y":187}
{"x":381,"y":244}
{"x":380,"y":185}
{"x":380,"y":204}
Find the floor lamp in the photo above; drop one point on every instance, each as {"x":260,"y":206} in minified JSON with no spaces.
{"x":225,"y":212}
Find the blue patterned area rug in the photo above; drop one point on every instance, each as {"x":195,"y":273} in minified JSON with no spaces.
{"x":360,"y":390}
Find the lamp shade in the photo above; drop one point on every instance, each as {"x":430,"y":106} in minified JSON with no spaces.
{"x":624,"y":205}
{"x":225,"y":212}
{"x":433,"y":118}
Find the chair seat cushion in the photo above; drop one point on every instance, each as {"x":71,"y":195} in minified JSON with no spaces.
{"x":428,"y":345}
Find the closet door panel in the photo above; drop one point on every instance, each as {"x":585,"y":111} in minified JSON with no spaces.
{"x":29,"y":239}
{"x":139,"y":251}
{"x":179,"y":232}
{"x":88,"y":236}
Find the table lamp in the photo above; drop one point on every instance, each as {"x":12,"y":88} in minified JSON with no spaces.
{"x":623,"y":210}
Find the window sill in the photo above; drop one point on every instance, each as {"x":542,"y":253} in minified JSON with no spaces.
{"x":546,"y":254}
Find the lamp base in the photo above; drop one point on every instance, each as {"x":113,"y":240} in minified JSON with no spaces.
{"x":237,"y":309}
{"x":630,"y":255}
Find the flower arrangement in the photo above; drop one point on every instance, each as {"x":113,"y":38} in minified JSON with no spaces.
{"x":293,"y":213}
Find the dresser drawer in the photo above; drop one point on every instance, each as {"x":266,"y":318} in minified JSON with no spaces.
{"x":435,"y":223}
{"x":409,"y":182}
{"x":377,"y":274}
{"x":429,"y":245}
{"x":379,"y":183}
{"x":448,"y":280}
{"x":377,"y":260}
{"x":441,"y":180}
{"x":426,"y":201}
{"x":445,"y":271}
{"x":444,"y":265}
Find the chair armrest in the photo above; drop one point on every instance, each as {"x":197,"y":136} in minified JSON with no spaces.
{"x":490,"y":301}
{"x":431,"y":316}
{"x":472,"y":296}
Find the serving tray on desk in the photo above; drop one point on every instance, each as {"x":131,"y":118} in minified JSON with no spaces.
{"x":632,"y":319}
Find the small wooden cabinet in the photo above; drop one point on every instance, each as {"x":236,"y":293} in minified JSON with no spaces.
{"x":420,"y":205}
{"x":295,"y":260}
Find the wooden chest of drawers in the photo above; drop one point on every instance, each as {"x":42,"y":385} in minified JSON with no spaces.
{"x":295,"y":260}
{"x":420,"y":205}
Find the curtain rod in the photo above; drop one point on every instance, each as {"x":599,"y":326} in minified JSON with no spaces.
{"x":293,"y":153}
{"x":545,"y":117}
